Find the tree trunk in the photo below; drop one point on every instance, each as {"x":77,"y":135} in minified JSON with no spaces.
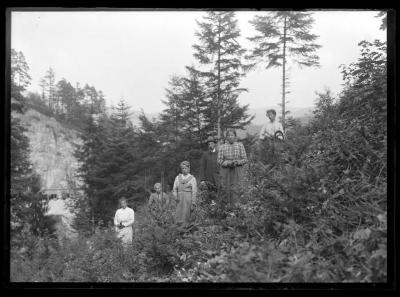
{"x":284,"y":75}
{"x":219,"y":84}
{"x":198,"y":123}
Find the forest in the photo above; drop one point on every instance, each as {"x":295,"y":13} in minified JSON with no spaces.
{"x":317,"y":212}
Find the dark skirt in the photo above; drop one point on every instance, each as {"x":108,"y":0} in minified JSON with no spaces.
{"x":231,"y":184}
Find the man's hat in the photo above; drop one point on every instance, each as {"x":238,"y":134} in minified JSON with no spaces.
{"x":210,"y":139}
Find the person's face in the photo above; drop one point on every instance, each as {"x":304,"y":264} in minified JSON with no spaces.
{"x":124,"y":204}
{"x":271,"y":116}
{"x":211,"y":145}
{"x":230,"y":137}
{"x":185,"y":170}
{"x":157,"y":188}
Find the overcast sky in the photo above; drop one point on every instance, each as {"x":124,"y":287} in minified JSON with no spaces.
{"x":132,"y":55}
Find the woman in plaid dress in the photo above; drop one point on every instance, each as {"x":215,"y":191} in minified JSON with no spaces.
{"x":231,"y":156}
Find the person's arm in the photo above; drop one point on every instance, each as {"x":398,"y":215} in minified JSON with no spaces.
{"x":116,"y":223}
{"x":220,"y":157}
{"x":194,"y":190}
{"x":175,"y":188}
{"x":243,"y":156}
{"x":262,"y":132}
{"x":166,"y":197}
{"x":131,"y":219}
{"x":151,"y":199}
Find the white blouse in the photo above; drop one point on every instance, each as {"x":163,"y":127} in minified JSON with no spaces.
{"x":192,"y":182}
{"x":125,"y":216}
{"x":269,"y":129}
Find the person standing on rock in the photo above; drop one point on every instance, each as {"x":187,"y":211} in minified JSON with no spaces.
{"x":184,"y":191}
{"x":123,"y":221}
{"x":231,"y":156}
{"x":209,"y":169}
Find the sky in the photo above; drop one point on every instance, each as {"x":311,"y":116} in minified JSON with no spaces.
{"x":131,"y":55}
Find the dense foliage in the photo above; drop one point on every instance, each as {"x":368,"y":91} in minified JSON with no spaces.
{"x":313,"y":207}
{"x":27,"y":204}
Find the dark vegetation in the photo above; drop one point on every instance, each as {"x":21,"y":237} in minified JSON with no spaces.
{"x":315,"y":212}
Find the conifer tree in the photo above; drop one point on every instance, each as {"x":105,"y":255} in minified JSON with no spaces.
{"x":20,"y":79}
{"x":26,"y":201}
{"x":87,"y":153}
{"x":221,"y":54}
{"x":67,"y":97}
{"x":383,"y":16}
{"x":282,"y":35}
{"x":49,"y":88}
{"x":111,"y":164}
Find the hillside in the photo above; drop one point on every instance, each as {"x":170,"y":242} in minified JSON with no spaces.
{"x":51,"y":153}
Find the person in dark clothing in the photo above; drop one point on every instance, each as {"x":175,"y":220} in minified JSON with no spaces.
{"x":209,"y":168}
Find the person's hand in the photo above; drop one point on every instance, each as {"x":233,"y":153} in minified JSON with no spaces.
{"x":120,"y":226}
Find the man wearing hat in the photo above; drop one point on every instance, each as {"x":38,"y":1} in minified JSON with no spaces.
{"x":209,"y":168}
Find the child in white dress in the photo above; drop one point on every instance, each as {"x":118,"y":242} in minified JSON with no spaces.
{"x":123,"y":221}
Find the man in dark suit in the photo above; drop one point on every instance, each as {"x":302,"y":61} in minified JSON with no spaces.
{"x":209,"y":168}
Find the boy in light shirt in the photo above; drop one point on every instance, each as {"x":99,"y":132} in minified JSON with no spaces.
{"x":271,"y":131}
{"x":271,"y":127}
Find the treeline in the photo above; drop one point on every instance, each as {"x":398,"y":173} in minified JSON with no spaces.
{"x":316,"y":213}
{"x":27,"y":203}
{"x":201,"y":103}
{"x":67,"y":103}
{"x":319,"y":209}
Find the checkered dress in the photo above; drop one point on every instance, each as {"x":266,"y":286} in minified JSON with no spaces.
{"x":234,"y":151}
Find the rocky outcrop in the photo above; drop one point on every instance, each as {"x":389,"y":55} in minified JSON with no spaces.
{"x":52,"y":147}
{"x":52,"y":150}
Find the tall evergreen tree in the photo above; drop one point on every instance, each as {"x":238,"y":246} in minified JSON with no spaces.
{"x":282,"y":35}
{"x":20,"y":79}
{"x":111,"y":166}
{"x":26,"y":201}
{"x":87,"y":153}
{"x":172,"y":116}
{"x":196,"y":106}
{"x":49,"y":88}
{"x":67,"y":97}
{"x":220,"y":52}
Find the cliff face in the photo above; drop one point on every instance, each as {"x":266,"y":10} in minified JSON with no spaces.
{"x":52,"y":148}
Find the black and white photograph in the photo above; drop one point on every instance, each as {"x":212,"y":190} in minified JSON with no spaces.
{"x":215,"y":146}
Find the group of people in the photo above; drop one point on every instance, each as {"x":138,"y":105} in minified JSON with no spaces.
{"x":221,"y":174}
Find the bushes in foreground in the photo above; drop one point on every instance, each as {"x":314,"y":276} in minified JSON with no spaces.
{"x":315,"y":214}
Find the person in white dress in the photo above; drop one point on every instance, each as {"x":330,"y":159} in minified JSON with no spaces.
{"x":123,"y":221}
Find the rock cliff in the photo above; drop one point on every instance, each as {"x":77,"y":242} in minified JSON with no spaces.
{"x":52,"y":146}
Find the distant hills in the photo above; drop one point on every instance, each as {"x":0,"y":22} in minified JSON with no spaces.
{"x":304,"y":114}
